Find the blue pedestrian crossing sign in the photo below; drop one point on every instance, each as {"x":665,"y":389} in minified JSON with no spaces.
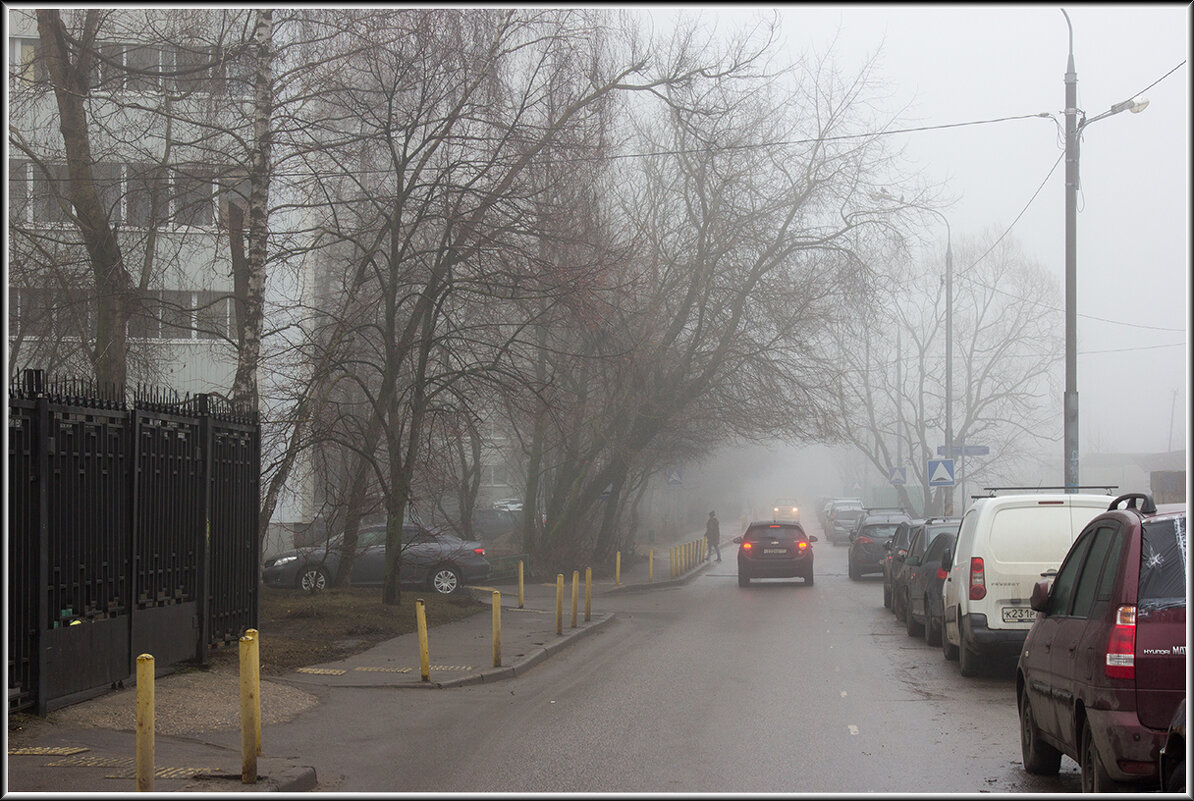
{"x":675,"y":476}
{"x":897,"y":476}
{"x":941,"y":472}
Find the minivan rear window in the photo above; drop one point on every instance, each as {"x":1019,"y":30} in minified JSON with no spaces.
{"x":1163,"y":563}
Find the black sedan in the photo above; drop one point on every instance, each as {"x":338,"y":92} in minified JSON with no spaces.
{"x":897,"y":550}
{"x":774,"y":549}
{"x":922,"y":602}
{"x":433,"y":559}
{"x":866,"y":543}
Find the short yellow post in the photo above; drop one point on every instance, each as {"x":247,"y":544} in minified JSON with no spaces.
{"x":424,"y":655}
{"x":651,"y":565}
{"x":671,"y":561}
{"x":256,"y":681}
{"x":588,"y":592}
{"x":145,"y":723}
{"x":559,"y":603}
{"x":248,"y":713}
{"x":520,"y":584}
{"x":497,"y":629}
{"x":575,"y":593}
{"x":618,"y":568}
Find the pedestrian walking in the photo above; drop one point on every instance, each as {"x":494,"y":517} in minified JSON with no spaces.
{"x":712,"y":537}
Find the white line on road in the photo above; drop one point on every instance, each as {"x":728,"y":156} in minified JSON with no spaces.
{"x":853,"y":729}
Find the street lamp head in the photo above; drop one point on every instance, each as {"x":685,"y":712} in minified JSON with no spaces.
{"x":1136,"y":108}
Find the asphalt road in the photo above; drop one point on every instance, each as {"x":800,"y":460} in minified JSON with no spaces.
{"x":707,"y":687}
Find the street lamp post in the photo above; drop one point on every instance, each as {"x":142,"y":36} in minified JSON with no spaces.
{"x":1073,"y":137}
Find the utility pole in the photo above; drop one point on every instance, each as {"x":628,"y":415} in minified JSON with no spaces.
{"x":1071,"y":265}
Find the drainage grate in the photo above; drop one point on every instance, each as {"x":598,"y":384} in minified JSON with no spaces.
{"x":47,"y":750}
{"x":322,"y":671}
{"x":93,"y":762}
{"x":385,"y":669}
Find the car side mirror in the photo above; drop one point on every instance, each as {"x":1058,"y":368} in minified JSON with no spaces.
{"x":1039,"y":599}
{"x":887,"y":545}
{"x":947,"y":560}
{"x":901,"y":553}
{"x":737,"y":540}
{"x":812,"y":538}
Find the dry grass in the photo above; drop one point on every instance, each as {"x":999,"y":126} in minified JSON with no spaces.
{"x":299,"y":629}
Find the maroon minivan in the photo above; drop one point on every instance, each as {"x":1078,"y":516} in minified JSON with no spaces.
{"x":1104,"y":665}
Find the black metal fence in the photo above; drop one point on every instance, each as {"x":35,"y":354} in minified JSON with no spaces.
{"x":130,"y":530}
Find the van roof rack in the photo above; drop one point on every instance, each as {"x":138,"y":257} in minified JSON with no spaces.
{"x":1107,"y":488}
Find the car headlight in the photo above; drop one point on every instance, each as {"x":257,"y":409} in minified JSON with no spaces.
{"x":281,"y":560}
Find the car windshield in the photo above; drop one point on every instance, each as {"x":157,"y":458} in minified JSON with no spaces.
{"x":1163,"y":563}
{"x":775,"y":531}
{"x":883,"y":532}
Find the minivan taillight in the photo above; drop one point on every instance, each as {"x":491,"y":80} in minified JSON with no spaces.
{"x":1121,"y":645}
{"x":978,"y":579}
{"x":479,"y":551}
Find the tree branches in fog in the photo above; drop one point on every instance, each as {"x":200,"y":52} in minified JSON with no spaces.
{"x":891,"y":393}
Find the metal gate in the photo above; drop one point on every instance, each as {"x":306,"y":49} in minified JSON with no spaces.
{"x":131,"y":530}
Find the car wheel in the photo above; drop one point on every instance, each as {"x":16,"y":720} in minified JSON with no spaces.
{"x":743,"y":579}
{"x":967,"y":658}
{"x":1175,"y":782}
{"x":854,"y":574}
{"x":1039,"y":757}
{"x":1095,"y":778}
{"x":808,"y":577}
{"x":313,"y":579}
{"x":932,"y":627}
{"x":897,"y":606}
{"x":914,"y":628}
{"x":445,"y":580}
{"x":887,"y":595}
{"x":948,"y":649}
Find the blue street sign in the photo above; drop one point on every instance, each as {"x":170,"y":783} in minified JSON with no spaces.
{"x":969,"y":450}
{"x":897,"y":476}
{"x":674,"y":476}
{"x":941,"y":472}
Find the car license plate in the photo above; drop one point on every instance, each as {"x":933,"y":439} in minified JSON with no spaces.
{"x":775,"y":550}
{"x":1018,"y":614}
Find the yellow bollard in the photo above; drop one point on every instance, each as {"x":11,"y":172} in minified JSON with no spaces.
{"x":256,"y":682}
{"x":559,"y":603}
{"x":671,"y":562}
{"x":575,"y":591}
{"x":248,"y":710}
{"x":588,"y":592}
{"x":651,"y":565}
{"x":424,"y":656}
{"x":520,"y":584}
{"x":618,"y":568}
{"x":497,"y":629}
{"x":145,"y":723}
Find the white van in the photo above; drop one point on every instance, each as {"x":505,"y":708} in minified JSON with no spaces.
{"x":1003,"y":546}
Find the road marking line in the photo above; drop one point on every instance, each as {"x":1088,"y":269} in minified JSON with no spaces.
{"x":853,"y":729}
{"x":843,"y":693}
{"x":322,"y":671}
{"x":42,"y":750}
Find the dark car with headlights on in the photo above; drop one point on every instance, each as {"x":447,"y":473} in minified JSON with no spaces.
{"x":774,"y":549}
{"x":867,"y":541}
{"x":434,"y":559}
{"x":1103,"y":668}
{"x":919,"y":581}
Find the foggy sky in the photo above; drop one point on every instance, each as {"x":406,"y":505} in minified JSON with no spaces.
{"x":960,"y":63}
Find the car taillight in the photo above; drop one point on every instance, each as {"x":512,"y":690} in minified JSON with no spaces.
{"x":802,"y":545}
{"x":479,"y":551}
{"x":1121,"y":645}
{"x":942,"y":574}
{"x":746,"y":546}
{"x":863,"y":540}
{"x":978,"y":579}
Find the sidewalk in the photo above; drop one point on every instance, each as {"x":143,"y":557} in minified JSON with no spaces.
{"x":66,"y":756}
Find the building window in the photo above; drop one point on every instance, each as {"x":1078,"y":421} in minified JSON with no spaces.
{"x":213,"y":315}
{"x":147,"y":206}
{"x":178,"y":320}
{"x":51,"y":198}
{"x":40,"y":312}
{"x":183,"y":314}
{"x":108,"y":67}
{"x":18,"y":190}
{"x":26,"y":62}
{"x":194,"y":194}
{"x":143,"y":64}
{"x":495,"y":474}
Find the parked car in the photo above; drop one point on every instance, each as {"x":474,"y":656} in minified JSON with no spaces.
{"x":1103,"y":669}
{"x":1171,"y":763}
{"x":874,"y":529}
{"x":430,"y":558}
{"x":897,"y":550}
{"x":771,"y":549}
{"x":1004,"y":544}
{"x":918,"y":582}
{"x":842,"y":517}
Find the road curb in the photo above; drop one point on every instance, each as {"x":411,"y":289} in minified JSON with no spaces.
{"x":657,"y":585}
